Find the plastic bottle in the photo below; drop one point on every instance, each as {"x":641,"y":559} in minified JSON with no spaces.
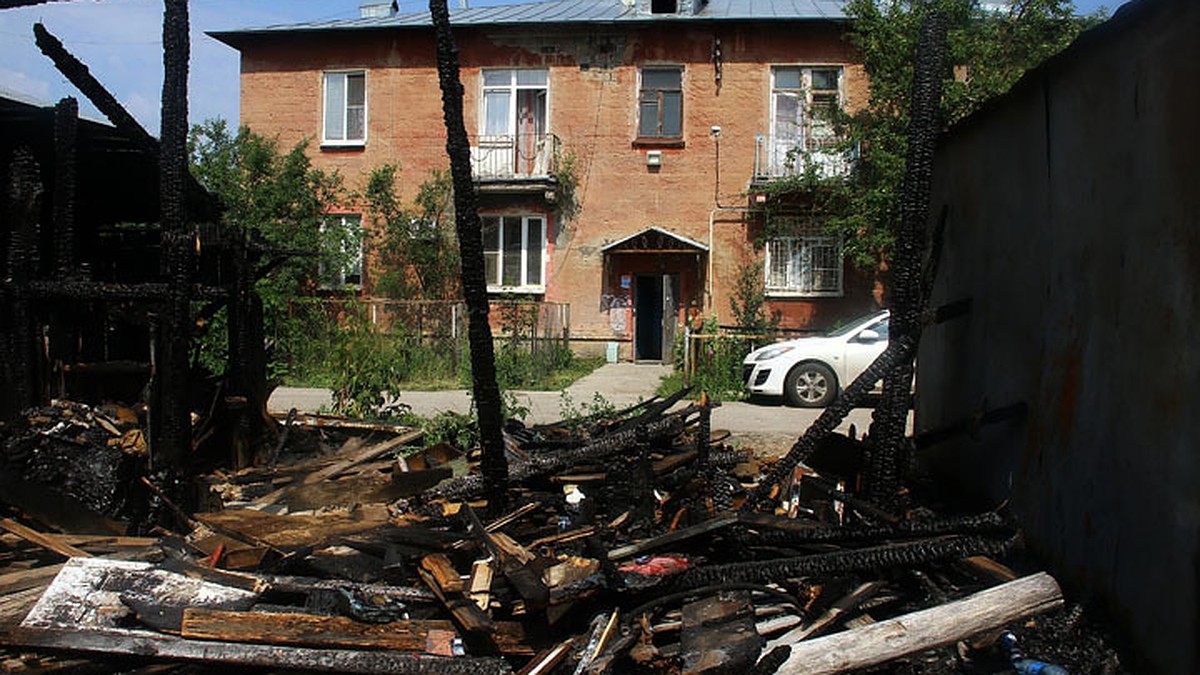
{"x":1027,"y":666}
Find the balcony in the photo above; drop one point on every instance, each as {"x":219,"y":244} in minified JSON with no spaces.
{"x":779,"y":158}
{"x":515,"y":162}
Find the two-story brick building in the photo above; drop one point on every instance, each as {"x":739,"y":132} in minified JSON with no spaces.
{"x":671,"y":110}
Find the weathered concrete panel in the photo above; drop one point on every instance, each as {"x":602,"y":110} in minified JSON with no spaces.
{"x":1074,"y":224}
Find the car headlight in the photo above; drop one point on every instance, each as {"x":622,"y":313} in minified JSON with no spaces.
{"x":772,"y":352}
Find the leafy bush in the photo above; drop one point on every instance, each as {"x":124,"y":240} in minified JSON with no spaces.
{"x":715,"y":365}
{"x":718,"y":367}
{"x":367,"y":365}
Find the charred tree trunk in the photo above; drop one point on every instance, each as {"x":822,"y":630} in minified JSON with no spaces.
{"x":171,"y":424}
{"x":470,"y":245}
{"x":889,"y":452}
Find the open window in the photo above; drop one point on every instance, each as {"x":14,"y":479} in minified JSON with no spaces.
{"x":514,"y":124}
{"x":803,"y":101}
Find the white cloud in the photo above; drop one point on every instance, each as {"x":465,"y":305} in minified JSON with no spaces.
{"x":20,"y":83}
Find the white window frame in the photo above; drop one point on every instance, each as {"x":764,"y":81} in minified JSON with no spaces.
{"x":344,"y":104}
{"x":336,"y":281}
{"x":498,"y":270}
{"x":803,"y":144}
{"x":511,"y":88}
{"x":504,"y":153}
{"x":811,"y":253}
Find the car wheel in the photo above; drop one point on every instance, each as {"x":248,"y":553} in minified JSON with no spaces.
{"x":810,"y":385}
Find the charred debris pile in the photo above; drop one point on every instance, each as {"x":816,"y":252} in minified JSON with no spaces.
{"x":638,"y":542}
{"x":633,"y":543}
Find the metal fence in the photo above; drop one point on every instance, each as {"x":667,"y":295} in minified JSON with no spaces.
{"x":537,"y":324}
{"x":726,"y":348}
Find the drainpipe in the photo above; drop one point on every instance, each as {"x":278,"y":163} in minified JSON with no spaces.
{"x":712,"y":215}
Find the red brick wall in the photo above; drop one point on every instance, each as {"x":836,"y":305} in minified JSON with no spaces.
{"x":593,"y":110}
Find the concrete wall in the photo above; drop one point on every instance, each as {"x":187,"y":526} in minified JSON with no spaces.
{"x":1074,"y":225}
{"x":593,"y":76}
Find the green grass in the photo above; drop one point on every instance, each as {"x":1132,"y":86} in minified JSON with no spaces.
{"x":561,"y":373}
{"x":672,"y":383}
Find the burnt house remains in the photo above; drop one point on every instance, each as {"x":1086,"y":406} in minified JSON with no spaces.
{"x":114,"y":260}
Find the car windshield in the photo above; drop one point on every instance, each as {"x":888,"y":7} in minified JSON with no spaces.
{"x":851,"y":325}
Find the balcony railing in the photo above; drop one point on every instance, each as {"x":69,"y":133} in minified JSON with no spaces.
{"x":514,"y":156}
{"x":779,"y":159}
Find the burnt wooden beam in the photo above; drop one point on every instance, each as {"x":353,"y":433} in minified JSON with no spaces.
{"x":126,"y":643}
{"x":49,"y":543}
{"x":66,"y":133}
{"x":682,"y":534}
{"x":82,"y":289}
{"x":439,"y":574}
{"x":20,"y":346}
{"x":78,"y":74}
{"x":312,"y":630}
{"x":468,"y":487}
{"x":889,"y":451}
{"x":474,"y":283}
{"x":367,"y":454}
{"x":898,"y":349}
{"x":170,"y":427}
{"x":515,"y":562}
{"x":847,"y":561}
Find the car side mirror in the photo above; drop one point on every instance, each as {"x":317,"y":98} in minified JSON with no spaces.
{"x":868,"y":336}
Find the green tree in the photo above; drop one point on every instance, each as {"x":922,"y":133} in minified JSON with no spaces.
{"x":989,"y":51}
{"x":416,"y":253}
{"x":281,"y":201}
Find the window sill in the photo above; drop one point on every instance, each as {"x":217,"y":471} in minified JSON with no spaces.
{"x":516,"y":290}
{"x":343,"y":146}
{"x":658,"y":143}
{"x":788,"y":295}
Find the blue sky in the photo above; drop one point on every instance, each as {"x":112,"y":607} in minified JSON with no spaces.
{"x":120,"y":41}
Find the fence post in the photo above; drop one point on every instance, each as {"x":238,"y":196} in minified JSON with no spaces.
{"x":687,"y":355}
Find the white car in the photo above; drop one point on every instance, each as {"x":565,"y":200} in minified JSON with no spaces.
{"x":808,"y":372}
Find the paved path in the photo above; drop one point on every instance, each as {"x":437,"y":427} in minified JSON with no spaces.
{"x":767,"y":426}
{"x":622,"y":384}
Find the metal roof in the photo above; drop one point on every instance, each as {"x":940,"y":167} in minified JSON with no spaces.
{"x":574,"y":12}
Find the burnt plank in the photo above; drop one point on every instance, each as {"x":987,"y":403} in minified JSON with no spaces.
{"x":365,"y":455}
{"x":719,"y":635}
{"x":314,"y":630}
{"x":672,"y":537}
{"x":49,"y":543}
{"x":248,"y":654}
{"x":19,"y":581}
{"x":441,"y":577}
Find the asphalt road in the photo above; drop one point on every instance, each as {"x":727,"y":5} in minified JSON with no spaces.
{"x":765,"y":425}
